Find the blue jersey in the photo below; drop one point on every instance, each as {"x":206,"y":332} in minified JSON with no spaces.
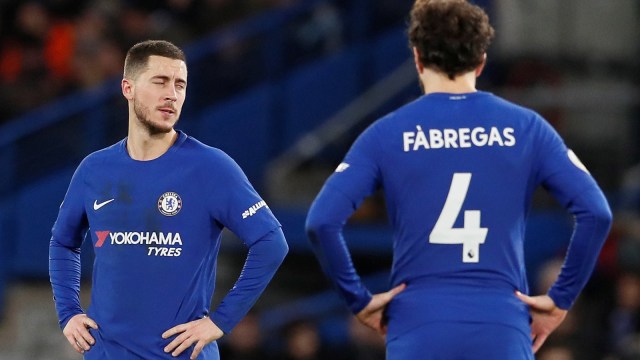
{"x":155,"y":228}
{"x":458,"y":173}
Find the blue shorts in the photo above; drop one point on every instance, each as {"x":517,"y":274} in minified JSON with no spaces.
{"x":461,"y":341}
{"x":105,"y":349}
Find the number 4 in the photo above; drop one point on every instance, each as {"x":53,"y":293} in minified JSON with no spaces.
{"x":471,"y":235}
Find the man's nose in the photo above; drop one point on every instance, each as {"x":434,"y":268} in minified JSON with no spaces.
{"x":171,"y":94}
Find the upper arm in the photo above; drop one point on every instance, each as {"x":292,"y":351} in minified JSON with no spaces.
{"x":72,"y":222}
{"x":237,"y":205}
{"x":359,"y":174}
{"x":559,"y":169}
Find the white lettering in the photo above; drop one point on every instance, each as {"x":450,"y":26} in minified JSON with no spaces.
{"x":421,"y":139}
{"x":450,"y":138}
{"x":144,"y":238}
{"x":436,"y":139}
{"x":479,"y":137}
{"x":508,"y":134}
{"x":177,"y":240}
{"x":164,"y":251}
{"x":253,"y":209}
{"x":464,"y":137}
{"x":164,"y":239}
{"x":446,"y":138}
{"x":407,"y":139}
{"x":174,"y":240}
{"x":494,"y":137}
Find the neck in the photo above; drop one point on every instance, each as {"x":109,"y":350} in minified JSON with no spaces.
{"x":438,"y":82}
{"x":143,"y":146}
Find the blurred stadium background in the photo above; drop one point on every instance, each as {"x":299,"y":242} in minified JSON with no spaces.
{"x":284,"y":86}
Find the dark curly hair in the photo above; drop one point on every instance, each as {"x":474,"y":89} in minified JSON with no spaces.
{"x":451,"y":36}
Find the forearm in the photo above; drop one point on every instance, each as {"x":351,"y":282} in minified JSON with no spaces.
{"x":64,"y":274}
{"x":263,"y":259}
{"x":325,"y":221}
{"x":592,"y":224}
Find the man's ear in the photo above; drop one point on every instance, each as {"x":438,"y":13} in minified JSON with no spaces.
{"x":127,"y":88}
{"x":416,"y":59}
{"x":481,"y":66}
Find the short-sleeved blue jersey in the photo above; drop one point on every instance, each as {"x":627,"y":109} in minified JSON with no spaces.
{"x":458,"y":173}
{"x":155,"y":228}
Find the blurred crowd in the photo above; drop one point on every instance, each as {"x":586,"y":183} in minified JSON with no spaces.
{"x":50,"y":48}
{"x":301,"y":340}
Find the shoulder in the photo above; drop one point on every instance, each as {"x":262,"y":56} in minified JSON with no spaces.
{"x":521,"y":118}
{"x":103,"y":155}
{"x":529,"y":122}
{"x":205,"y":153}
{"x":209,"y":161}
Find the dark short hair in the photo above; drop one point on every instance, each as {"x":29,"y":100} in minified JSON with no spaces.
{"x":451,"y":36}
{"x":138,"y":55}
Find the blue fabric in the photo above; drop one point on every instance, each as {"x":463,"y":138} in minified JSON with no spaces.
{"x":111,"y":349}
{"x":327,"y":216}
{"x":155,"y":227}
{"x":460,"y":341}
{"x":458,"y":174}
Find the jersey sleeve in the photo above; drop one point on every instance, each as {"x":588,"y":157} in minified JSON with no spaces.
{"x":358,"y":176}
{"x":557,"y":166}
{"x":239,"y":208}
{"x":354,"y":179}
{"x":236,"y":204}
{"x":263,"y":259}
{"x":64,"y":250}
{"x":567,"y":179}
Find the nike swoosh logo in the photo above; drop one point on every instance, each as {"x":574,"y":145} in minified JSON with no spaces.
{"x":97,"y":206}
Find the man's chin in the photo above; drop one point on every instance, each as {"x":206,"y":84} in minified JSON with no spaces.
{"x":159,"y":129}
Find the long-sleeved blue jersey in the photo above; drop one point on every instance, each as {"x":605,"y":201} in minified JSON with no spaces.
{"x":155,"y":228}
{"x":458,"y":173}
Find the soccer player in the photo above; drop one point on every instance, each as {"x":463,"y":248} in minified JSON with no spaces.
{"x":458,"y":168}
{"x":155,"y":204}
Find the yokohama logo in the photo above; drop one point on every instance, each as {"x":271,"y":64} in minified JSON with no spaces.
{"x":138,"y":238}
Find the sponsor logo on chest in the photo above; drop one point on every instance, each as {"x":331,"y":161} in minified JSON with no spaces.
{"x":158,"y":243}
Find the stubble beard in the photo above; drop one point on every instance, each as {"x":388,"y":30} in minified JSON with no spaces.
{"x":143,"y":115}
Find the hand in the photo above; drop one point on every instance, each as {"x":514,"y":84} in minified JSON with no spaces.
{"x":546,"y":317}
{"x":201,"y":332}
{"x":77,"y":334}
{"x":371,"y":315}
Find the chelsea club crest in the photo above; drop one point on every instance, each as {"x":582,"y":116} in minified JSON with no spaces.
{"x":169,"y":203}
